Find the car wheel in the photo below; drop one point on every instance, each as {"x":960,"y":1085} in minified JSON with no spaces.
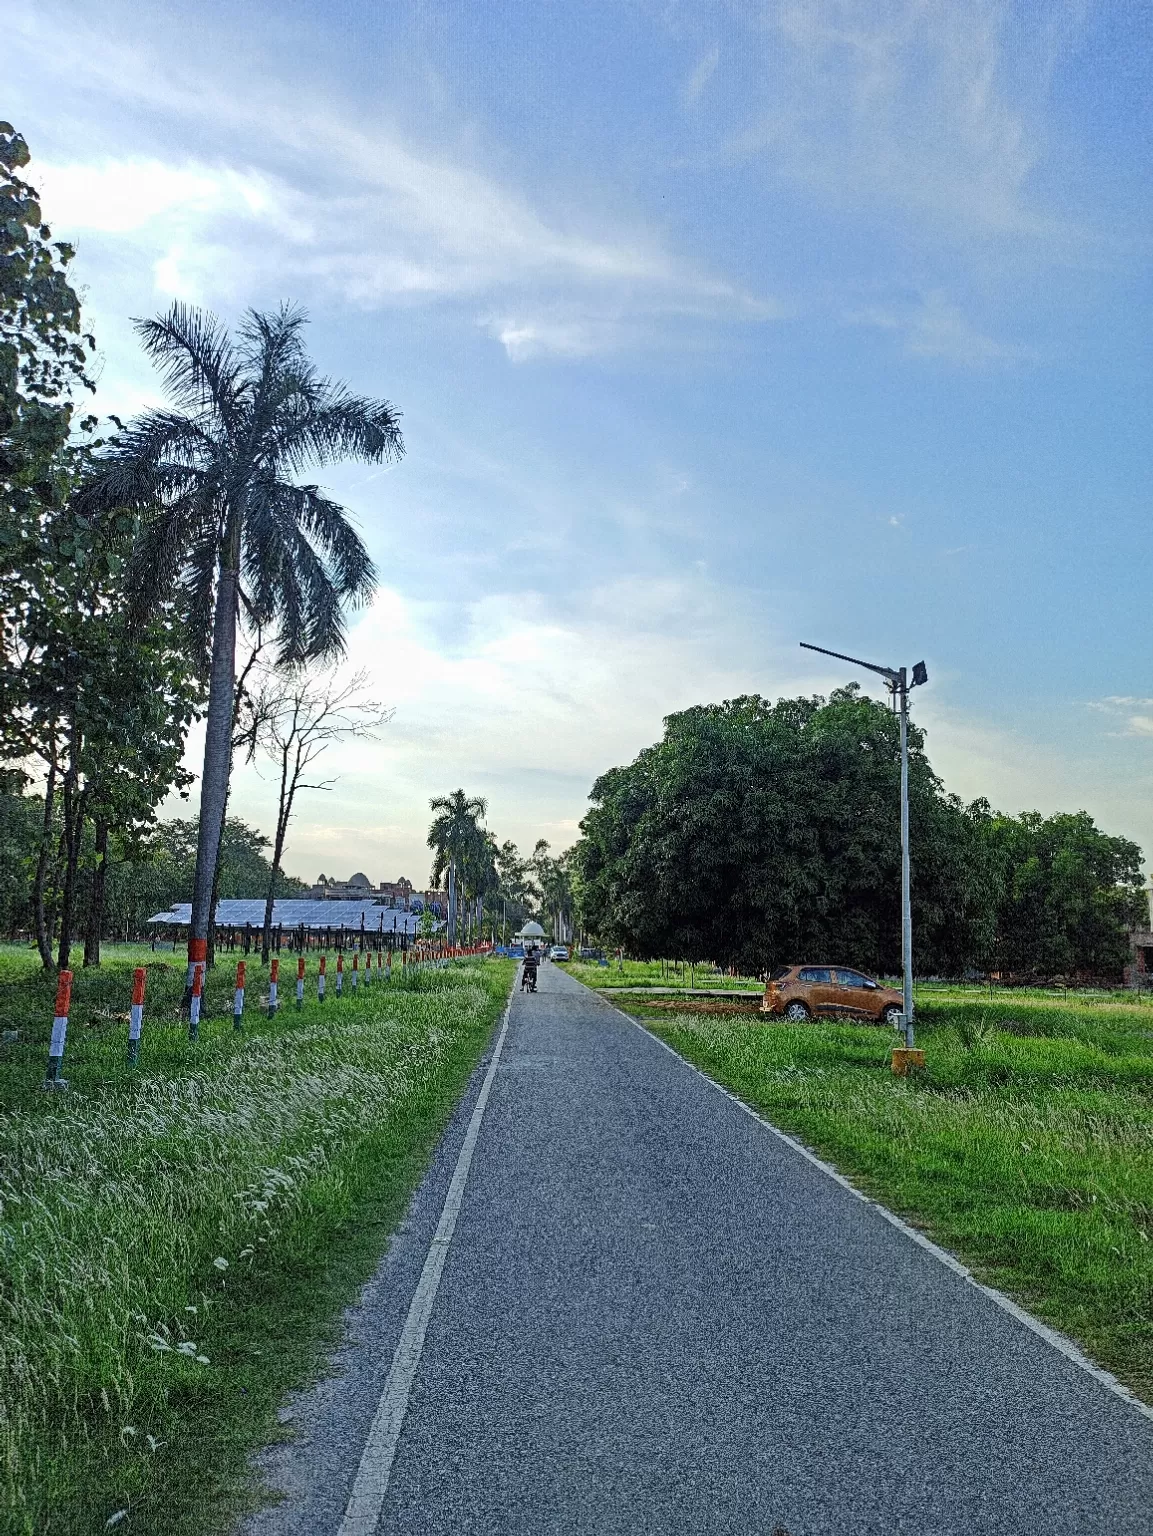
{"x":797,"y":1011}
{"x":892,"y":1015}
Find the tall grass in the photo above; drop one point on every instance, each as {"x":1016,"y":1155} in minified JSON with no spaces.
{"x":132,"y":1214}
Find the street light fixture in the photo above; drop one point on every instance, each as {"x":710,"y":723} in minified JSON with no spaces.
{"x":899,"y":685}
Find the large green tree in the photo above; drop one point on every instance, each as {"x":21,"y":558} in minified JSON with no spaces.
{"x":224,"y":521}
{"x":755,"y":833}
{"x":1067,"y":894}
{"x":43,"y":356}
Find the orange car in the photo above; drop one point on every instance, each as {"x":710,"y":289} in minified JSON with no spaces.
{"x":830,"y":992}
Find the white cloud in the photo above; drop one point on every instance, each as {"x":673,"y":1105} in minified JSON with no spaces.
{"x":701,"y":75}
{"x":927,"y":106}
{"x":384,"y":222}
{"x":935,"y":327}
{"x":1129,"y":711}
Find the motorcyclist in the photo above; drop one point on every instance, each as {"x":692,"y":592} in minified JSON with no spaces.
{"x":528,"y":972}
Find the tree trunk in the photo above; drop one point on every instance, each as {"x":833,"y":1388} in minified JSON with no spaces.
{"x":452,"y":901}
{"x":217,"y":746}
{"x":210,"y":953}
{"x":283,"y":814}
{"x":43,"y":936}
{"x":95,"y":923}
{"x":74,"y":807}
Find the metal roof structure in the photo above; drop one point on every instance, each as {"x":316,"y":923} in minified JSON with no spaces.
{"x":353,"y":916}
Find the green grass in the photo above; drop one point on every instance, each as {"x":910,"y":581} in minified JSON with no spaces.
{"x":655,"y":973}
{"x":1025,"y":1147}
{"x":178,"y":1241}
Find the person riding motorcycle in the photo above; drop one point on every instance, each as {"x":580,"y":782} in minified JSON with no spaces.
{"x":528,"y":970}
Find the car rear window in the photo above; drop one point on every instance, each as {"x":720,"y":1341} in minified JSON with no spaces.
{"x":781,"y":970}
{"x":815,"y":973}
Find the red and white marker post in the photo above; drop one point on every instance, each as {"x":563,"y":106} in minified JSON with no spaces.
{"x":340,"y":972}
{"x":300,"y":982}
{"x":355,"y":971}
{"x":197,"y":956}
{"x":195,"y":1000}
{"x":273,"y":986}
{"x":52,"y":1078}
{"x":320,"y":979}
{"x":388,"y":965}
{"x":136,"y":1017}
{"x":238,"y":997}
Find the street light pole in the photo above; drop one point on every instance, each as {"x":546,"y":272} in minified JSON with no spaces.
{"x":906,"y":882}
{"x":899,"y":685}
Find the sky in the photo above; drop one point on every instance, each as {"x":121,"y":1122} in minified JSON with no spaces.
{"x":716,"y":327}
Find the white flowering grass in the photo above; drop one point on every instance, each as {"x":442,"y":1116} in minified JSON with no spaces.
{"x":131,"y":1216}
{"x":1030,"y":1155}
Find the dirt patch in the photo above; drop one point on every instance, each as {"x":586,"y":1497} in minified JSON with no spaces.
{"x":697,"y":1005}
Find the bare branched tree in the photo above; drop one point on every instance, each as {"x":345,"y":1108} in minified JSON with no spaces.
{"x":298,"y":716}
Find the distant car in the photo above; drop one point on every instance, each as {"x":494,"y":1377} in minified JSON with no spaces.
{"x":558,"y":952}
{"x":829,"y":992}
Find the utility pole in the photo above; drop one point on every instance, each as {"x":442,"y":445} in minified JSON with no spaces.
{"x":899,"y":685}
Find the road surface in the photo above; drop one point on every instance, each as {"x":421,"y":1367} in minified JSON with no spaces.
{"x":654,"y":1316}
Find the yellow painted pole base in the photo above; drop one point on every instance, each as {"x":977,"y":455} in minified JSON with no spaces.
{"x":905,"y":1058}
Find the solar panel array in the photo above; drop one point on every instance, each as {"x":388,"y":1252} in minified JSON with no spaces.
{"x":291,"y":913}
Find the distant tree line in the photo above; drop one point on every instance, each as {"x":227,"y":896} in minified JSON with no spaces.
{"x":492,"y":889}
{"x":136,"y":874}
{"x":758,"y":833}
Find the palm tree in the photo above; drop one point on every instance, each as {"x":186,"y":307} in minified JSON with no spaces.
{"x":222,"y":522}
{"x":452,"y":836}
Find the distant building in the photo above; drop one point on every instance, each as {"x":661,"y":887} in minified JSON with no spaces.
{"x":395,"y":895}
{"x":354,"y":889}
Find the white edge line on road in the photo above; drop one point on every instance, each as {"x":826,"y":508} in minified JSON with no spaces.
{"x":1057,"y":1341}
{"x":362,"y":1514}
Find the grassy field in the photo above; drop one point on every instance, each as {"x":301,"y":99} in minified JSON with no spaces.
{"x":655,"y":973}
{"x":178,"y":1241}
{"x":1025,"y":1147}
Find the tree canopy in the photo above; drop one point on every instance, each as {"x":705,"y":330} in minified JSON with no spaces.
{"x":758,"y":833}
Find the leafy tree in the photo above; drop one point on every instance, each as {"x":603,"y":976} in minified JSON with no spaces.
{"x":554,"y":886}
{"x":1068,"y":893}
{"x":20,"y":820}
{"x":104,"y":705}
{"x":224,"y":523}
{"x":755,"y":833}
{"x":43,"y":355}
{"x":514,"y":888}
{"x":453,"y":837}
{"x":158,"y":871}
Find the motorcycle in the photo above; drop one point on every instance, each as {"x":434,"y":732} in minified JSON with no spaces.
{"x":528,"y":976}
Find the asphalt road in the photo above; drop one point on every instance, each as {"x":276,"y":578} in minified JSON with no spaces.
{"x":656,"y":1317}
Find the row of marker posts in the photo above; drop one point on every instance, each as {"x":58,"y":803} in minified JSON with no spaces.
{"x":54,"y":1080}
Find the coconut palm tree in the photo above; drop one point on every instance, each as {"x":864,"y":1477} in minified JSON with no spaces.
{"x":223,"y":522}
{"x":452,"y":836}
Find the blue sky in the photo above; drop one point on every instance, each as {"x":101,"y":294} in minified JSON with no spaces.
{"x":716,"y":327}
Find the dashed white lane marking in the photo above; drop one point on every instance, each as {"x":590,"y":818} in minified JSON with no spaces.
{"x":1055,"y":1340}
{"x":366,"y":1501}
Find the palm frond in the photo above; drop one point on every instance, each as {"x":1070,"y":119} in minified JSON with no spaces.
{"x":329,"y":422}
{"x":195,"y":357}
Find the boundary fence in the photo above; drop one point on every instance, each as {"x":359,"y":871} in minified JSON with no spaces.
{"x":377,"y":969}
